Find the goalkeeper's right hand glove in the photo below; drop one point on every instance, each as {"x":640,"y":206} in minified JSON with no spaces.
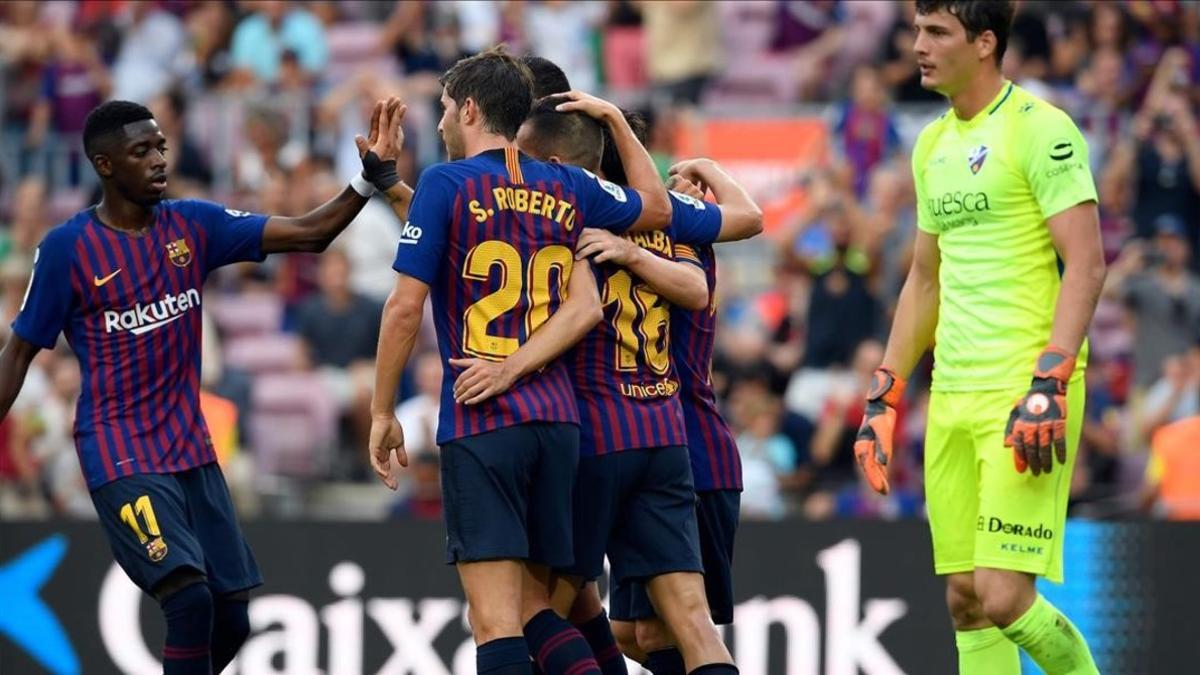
{"x":873,"y":446}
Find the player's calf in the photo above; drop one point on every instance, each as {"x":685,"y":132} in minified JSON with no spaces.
{"x":187,"y":606}
{"x":655,"y":640}
{"x":557,"y":647}
{"x":982,"y":648}
{"x":1011,"y":601}
{"x":231,"y":627}
{"x":678,"y":598}
{"x":625,"y":633}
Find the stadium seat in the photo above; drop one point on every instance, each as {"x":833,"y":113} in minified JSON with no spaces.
{"x":351,"y":50}
{"x":265,"y":353}
{"x":247,"y":314}
{"x":293,"y":425}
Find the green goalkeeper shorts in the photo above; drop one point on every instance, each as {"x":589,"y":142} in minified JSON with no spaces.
{"x":982,"y":512}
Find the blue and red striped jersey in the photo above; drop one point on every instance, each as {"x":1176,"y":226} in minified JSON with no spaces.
{"x":494,"y":237}
{"x":716,"y":464}
{"x":625,"y":383}
{"x":130,"y":308}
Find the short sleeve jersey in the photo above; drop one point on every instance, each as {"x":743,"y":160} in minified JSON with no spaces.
{"x":716,"y":464}
{"x":986,"y":187}
{"x":623,"y":373}
{"x":494,"y":237}
{"x":129,"y":306}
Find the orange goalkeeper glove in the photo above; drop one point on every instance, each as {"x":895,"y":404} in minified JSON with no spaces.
{"x":873,"y":445}
{"x":1038,"y":421}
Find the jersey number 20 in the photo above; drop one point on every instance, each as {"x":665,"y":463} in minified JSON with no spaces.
{"x":515,"y":281}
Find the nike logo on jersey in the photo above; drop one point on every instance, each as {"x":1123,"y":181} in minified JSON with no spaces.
{"x":100,"y":281}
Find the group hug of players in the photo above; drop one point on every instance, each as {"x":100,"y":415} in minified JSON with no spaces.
{"x":574,"y":301}
{"x":573,"y":296}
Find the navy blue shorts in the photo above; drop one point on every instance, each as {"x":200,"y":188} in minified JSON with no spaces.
{"x":157,"y":523}
{"x":507,"y":494}
{"x":717,"y":514}
{"x":638,"y":506}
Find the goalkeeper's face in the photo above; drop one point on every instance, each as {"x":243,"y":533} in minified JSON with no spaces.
{"x":948,"y":61}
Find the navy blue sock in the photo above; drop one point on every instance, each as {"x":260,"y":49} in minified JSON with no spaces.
{"x":598,"y":633}
{"x":558,"y":647}
{"x":231,"y":627}
{"x":716,"y":669}
{"x":189,"y":615}
{"x":505,"y":656}
{"x":666,"y":662}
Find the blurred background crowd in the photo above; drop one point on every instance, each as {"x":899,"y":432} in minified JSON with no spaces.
{"x":260,"y":102}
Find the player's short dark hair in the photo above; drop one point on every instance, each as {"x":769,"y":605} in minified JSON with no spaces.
{"x":499,"y":84}
{"x":548,"y":78}
{"x":576,"y":138}
{"x":108,"y":118}
{"x":977,"y":16}
{"x":610,"y":164}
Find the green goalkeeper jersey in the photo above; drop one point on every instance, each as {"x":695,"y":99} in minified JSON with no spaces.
{"x":986,"y":187}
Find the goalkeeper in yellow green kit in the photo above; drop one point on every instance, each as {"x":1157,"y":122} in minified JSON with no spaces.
{"x":1004,"y":193}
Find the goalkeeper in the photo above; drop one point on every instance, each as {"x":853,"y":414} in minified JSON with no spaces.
{"x":1004,"y":192}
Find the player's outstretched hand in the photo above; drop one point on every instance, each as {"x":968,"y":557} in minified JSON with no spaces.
{"x":873,"y":445}
{"x":684,"y":186}
{"x":387,"y":437}
{"x":480,"y":380}
{"x":380,"y":150}
{"x":1037,"y":425}
{"x":592,"y":106}
{"x":604,"y":246}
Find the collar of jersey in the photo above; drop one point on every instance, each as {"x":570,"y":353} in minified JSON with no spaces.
{"x":989,"y":109}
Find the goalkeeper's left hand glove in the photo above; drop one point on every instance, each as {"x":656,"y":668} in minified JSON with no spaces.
{"x":873,"y":445}
{"x":1038,"y":421}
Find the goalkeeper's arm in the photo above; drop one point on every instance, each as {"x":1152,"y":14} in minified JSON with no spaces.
{"x":917,"y":309}
{"x":912,"y":334}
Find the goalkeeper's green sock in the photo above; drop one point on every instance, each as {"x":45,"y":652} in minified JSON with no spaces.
{"x":1051,"y":640}
{"x":986,"y":652}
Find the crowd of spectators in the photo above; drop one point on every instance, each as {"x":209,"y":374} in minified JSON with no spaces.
{"x":260,"y":102}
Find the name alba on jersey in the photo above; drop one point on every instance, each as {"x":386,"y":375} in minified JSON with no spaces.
{"x":145,"y":318}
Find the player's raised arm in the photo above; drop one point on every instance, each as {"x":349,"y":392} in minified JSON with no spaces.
{"x":578,"y":314}
{"x":741,"y":218}
{"x":682,"y":284}
{"x":315,"y":230}
{"x":639,"y":167}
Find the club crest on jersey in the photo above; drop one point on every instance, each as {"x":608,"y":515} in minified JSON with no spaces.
{"x":179,"y":253}
{"x":156,"y":548}
{"x":976,"y":158}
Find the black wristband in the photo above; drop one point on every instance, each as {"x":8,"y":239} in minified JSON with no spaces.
{"x":381,"y":173}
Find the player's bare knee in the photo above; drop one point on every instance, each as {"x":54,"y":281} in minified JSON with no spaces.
{"x":492,"y":622}
{"x":1004,"y":595}
{"x":965,"y":609}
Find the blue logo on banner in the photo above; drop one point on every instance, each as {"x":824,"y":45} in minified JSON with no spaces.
{"x":26,"y":620}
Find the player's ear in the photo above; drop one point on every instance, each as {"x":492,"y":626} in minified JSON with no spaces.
{"x":554,"y":159}
{"x":103,"y":165}
{"x":985,"y":45}
{"x":468,"y":112}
